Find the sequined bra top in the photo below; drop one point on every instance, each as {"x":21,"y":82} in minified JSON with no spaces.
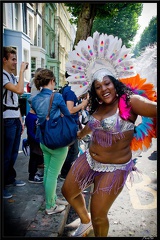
{"x":109,"y":129}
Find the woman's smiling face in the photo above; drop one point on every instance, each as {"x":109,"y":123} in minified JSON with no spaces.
{"x":105,"y":90}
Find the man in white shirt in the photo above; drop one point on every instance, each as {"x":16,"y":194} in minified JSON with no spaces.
{"x":12,"y":121}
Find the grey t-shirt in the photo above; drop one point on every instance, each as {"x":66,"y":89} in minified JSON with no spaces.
{"x":11,"y":99}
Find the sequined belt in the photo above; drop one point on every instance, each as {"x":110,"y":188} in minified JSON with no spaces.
{"x":104,"y":167}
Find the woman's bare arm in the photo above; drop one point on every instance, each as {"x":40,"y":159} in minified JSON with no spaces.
{"x":86,"y":130}
{"x":143,"y":106}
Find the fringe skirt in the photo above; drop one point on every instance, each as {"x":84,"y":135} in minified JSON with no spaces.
{"x":86,"y":169}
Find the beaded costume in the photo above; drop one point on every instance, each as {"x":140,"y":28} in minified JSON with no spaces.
{"x":109,"y":129}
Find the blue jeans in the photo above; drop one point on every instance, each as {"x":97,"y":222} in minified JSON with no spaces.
{"x":12,"y":135}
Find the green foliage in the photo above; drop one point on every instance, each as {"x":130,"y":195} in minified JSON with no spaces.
{"x":123,"y":24}
{"x":148,"y":37}
{"x":119,"y":19}
{"x":74,"y":9}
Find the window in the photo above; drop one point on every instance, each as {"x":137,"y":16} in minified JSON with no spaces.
{"x":33,"y":64}
{"x":47,"y":42}
{"x":50,"y":17}
{"x":4,"y":14}
{"x":42,"y":62}
{"x":30,"y":28}
{"x":16,"y":16}
{"x":39,"y":36}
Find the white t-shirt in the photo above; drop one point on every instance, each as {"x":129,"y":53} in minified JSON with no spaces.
{"x":11,"y":99}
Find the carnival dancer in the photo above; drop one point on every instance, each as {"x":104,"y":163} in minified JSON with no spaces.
{"x":102,"y":66}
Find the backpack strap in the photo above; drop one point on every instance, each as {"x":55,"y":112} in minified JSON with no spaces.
{"x":5,"y":93}
{"x":9,"y":108}
{"x":5,"y":97}
{"x":12,"y":76}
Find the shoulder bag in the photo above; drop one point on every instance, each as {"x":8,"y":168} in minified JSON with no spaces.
{"x":58,"y":132}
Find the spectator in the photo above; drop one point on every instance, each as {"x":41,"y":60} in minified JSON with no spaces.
{"x":53,"y":159}
{"x":12,"y":121}
{"x":71,"y":101}
{"x":36,"y":154}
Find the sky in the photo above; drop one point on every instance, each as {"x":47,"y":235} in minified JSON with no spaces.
{"x":149,"y":10}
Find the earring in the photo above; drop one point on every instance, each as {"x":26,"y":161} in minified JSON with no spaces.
{"x":116,"y":94}
{"x":99,"y":101}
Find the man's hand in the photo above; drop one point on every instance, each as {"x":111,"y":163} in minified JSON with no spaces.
{"x":24,"y":66}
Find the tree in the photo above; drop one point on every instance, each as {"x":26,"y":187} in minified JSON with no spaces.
{"x":84,"y":15}
{"x":148,"y":37}
{"x":124,"y":24}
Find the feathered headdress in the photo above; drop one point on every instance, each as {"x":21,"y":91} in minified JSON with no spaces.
{"x":100,"y":52}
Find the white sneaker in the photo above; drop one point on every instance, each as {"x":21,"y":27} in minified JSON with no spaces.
{"x":61,"y":202}
{"x":83,"y":230}
{"x":56,"y":209}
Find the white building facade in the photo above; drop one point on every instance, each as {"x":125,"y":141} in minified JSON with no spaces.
{"x":41,"y":34}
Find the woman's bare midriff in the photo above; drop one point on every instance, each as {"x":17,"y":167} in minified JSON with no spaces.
{"x":118,"y":153}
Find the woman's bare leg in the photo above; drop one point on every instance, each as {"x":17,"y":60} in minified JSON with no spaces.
{"x":74,"y":196}
{"x":100,"y":205}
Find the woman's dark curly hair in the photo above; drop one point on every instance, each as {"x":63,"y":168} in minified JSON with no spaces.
{"x":43,"y":77}
{"x":120,"y":87}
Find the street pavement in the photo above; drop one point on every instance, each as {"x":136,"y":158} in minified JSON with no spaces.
{"x":133,"y":214}
{"x":24,"y":213}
